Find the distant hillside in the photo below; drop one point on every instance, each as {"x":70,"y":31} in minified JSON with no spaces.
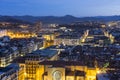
{"x":11,"y":19}
{"x":53,"y":19}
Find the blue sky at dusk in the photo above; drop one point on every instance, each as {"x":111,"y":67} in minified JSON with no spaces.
{"x":60,"y":7}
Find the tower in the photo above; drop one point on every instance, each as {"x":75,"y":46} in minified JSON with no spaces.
{"x":38,"y":26}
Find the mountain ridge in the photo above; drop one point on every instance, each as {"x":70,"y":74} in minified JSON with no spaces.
{"x":57,"y":19}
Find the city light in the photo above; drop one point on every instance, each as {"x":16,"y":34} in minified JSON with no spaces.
{"x":54,"y":47}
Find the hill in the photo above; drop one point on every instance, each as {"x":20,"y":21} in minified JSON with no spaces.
{"x":55,"y":19}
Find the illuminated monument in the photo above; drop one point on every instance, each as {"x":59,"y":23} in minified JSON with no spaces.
{"x":68,"y":70}
{"x":44,"y":65}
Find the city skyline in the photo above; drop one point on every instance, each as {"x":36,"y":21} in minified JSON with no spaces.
{"x":59,"y":40}
{"x":78,"y":8}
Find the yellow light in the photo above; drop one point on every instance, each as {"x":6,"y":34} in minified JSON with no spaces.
{"x":98,"y":72}
{"x":20,"y":35}
{"x":42,"y":48}
{"x":21,"y":55}
{"x":25,"y":74}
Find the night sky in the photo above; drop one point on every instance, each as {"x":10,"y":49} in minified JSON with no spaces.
{"x":79,"y":8}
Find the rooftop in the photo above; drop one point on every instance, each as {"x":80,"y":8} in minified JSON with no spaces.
{"x":62,"y":63}
{"x":46,"y":52}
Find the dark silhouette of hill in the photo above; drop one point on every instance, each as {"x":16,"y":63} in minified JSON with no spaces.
{"x":12,"y":19}
{"x":55,"y":19}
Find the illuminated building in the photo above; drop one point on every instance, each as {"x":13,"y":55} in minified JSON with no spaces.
{"x":48,"y":39}
{"x":13,"y":34}
{"x":68,"y":70}
{"x":103,"y":25}
{"x":29,"y":65}
{"x":3,"y":33}
{"x":44,"y":65}
{"x":60,"y":70}
{"x":110,"y":24}
{"x":7,"y":55}
{"x":20,"y":35}
{"x":110,"y":36}
{"x":53,"y":25}
{"x":48,"y":36}
{"x":9,"y":73}
{"x":67,"y":40}
{"x":56,"y":70}
{"x":4,"y":24}
{"x":23,"y":26}
{"x":10,"y":49}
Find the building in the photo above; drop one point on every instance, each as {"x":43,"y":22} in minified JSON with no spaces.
{"x":38,"y":27}
{"x":68,"y":70}
{"x":14,"y":34}
{"x":46,"y":65}
{"x":9,"y":73}
{"x":48,"y":39}
{"x":67,"y":40}
{"x":7,"y":55}
{"x":29,"y":65}
{"x":3,"y":33}
{"x":61,"y":70}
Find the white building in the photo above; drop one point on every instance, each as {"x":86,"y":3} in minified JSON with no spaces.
{"x":67,"y":40}
{"x":3,"y":33}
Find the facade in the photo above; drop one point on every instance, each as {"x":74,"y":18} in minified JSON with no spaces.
{"x":29,"y":65}
{"x":9,"y":73}
{"x":7,"y":55}
{"x":59,"y":41}
{"x":3,"y":33}
{"x":56,"y":70}
{"x":48,"y":39}
{"x":30,"y":70}
{"x":45,"y":66}
{"x":68,"y":70}
{"x":13,"y":34}
{"x":67,"y":39}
